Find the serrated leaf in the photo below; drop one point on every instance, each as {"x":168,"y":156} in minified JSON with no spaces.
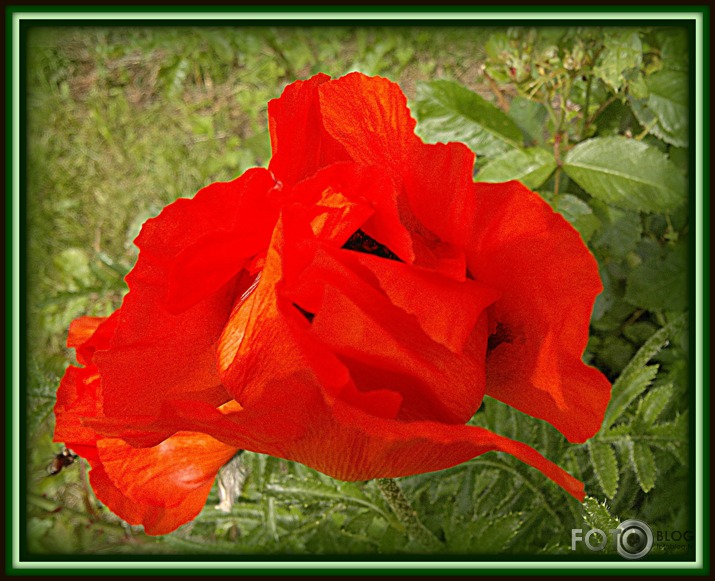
{"x":496,"y":535}
{"x":447,"y":111}
{"x":660,"y":285}
{"x":531,"y":166}
{"x":644,"y":465}
{"x":312,"y":489}
{"x":672,"y":436}
{"x":618,"y":432}
{"x":627,"y":173}
{"x":597,"y":515}
{"x":481,"y":536}
{"x":623,"y":51}
{"x":657,"y":341}
{"x":665,"y":110}
{"x":605,"y":466}
{"x":624,"y":392}
{"x":653,"y":404}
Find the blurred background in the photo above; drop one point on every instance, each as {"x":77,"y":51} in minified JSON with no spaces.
{"x":122,"y":121}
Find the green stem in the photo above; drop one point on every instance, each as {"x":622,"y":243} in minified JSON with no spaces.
{"x":557,"y":179}
{"x":407,"y":515}
{"x":601,"y":109}
{"x":587,"y":104}
{"x":646,"y":130}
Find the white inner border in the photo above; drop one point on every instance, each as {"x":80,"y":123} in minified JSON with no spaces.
{"x":235,"y":18}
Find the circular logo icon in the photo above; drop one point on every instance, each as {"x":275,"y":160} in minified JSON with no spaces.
{"x":635,"y":539}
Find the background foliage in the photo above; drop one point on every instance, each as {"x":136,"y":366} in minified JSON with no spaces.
{"x":124,"y":121}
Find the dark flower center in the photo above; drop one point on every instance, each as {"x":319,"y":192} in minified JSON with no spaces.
{"x":501,"y":335}
{"x":308,"y":315}
{"x":361,"y":242}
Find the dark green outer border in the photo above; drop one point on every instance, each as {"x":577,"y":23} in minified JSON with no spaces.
{"x":507,"y":6}
{"x":705,"y":216}
{"x":340,"y":16}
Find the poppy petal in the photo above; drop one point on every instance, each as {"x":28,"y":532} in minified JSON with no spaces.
{"x":155,"y":354}
{"x":78,"y":397}
{"x":82,"y":329}
{"x":432,"y":298}
{"x":383,"y":346}
{"x":203,"y":266}
{"x":262,"y":341}
{"x":549,"y":281}
{"x":161,"y":487}
{"x":300,"y":145}
{"x":369,"y":186}
{"x":87,"y":334}
{"x":364,"y":447}
{"x":369,"y":117}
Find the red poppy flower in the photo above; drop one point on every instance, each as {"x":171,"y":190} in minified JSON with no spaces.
{"x":347,"y":308}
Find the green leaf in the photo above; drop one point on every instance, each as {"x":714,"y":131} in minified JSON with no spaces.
{"x":498,"y":46}
{"x":644,"y":465}
{"x":614,"y":119}
{"x":447,"y":111}
{"x":320,"y":491}
{"x":653,"y":404}
{"x":656,"y":342}
{"x":621,"y":230}
{"x":605,"y":466}
{"x":626,"y":173}
{"x":578,"y":213}
{"x":674,"y":48}
{"x":637,"y":376}
{"x":623,"y":51}
{"x":637,"y":87}
{"x":671,"y":436}
{"x":496,"y":535}
{"x":530,"y":116}
{"x":531,"y":166}
{"x":597,"y":515}
{"x":660,"y":285}
{"x":486,"y":538}
{"x":624,"y":392}
{"x":679,"y":156}
{"x":616,"y":353}
{"x":639,"y":332}
{"x":665,"y":111}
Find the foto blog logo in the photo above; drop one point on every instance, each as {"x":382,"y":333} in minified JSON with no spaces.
{"x":633,"y":539}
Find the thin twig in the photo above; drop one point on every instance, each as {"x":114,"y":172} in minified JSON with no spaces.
{"x":501,"y":99}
